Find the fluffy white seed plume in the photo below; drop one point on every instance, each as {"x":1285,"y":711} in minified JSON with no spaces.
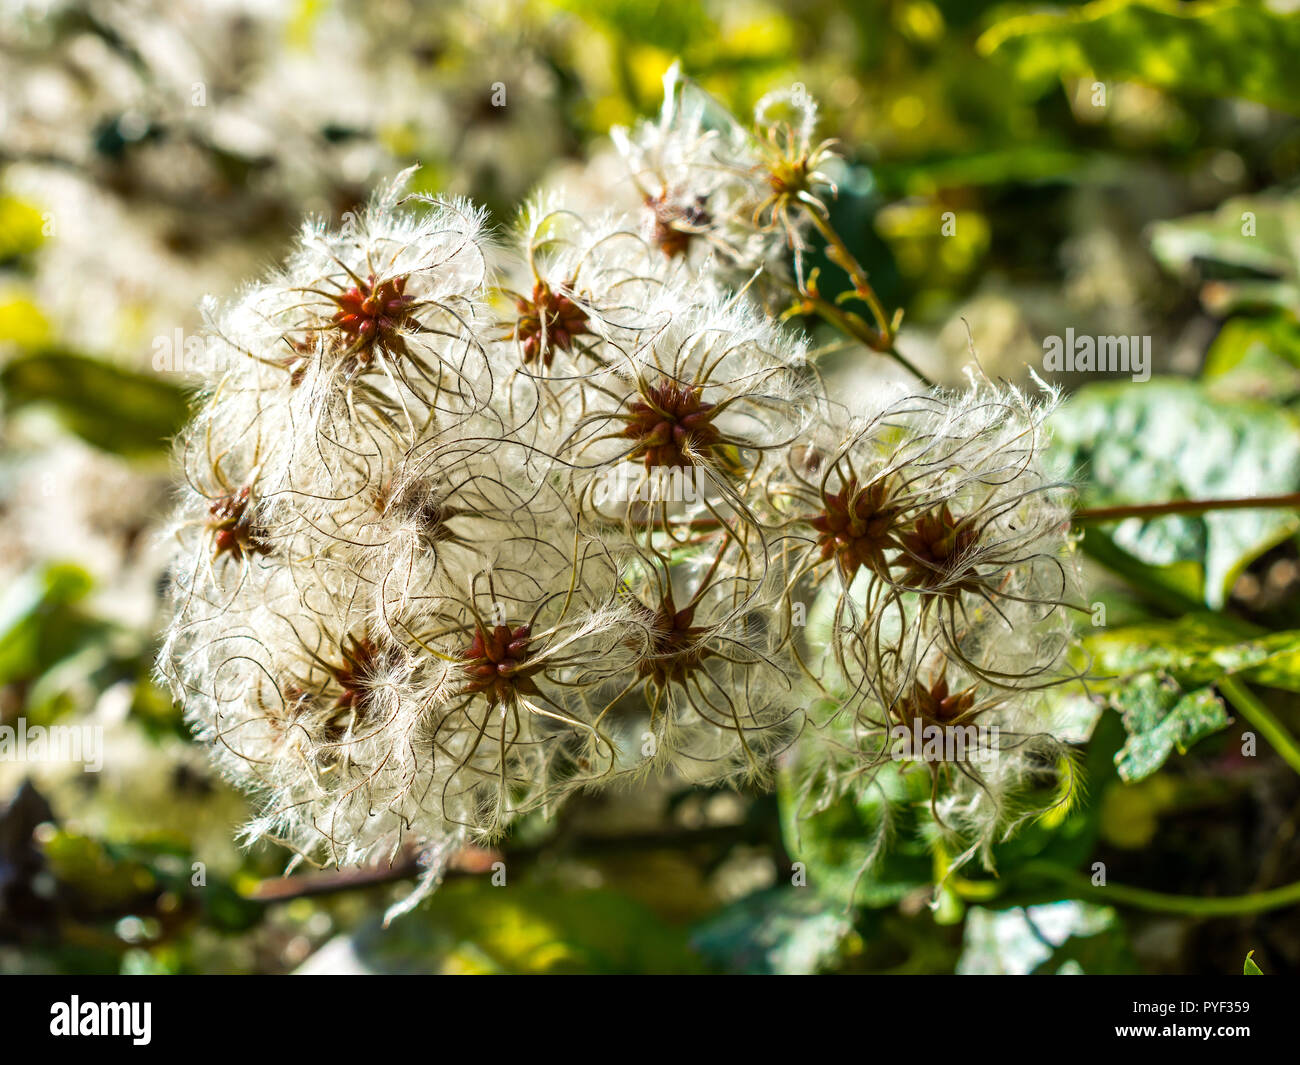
{"x":722,"y":196}
{"x":466,"y":529}
{"x":948,"y":614}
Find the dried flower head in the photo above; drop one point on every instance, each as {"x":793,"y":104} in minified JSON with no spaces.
{"x":465,"y":530}
{"x":708,"y":182}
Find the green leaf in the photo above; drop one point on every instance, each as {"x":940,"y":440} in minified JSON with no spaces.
{"x":1251,"y":244}
{"x":472,"y":926}
{"x":838,"y":845}
{"x":1242,"y":50}
{"x":1069,"y":936}
{"x":41,"y":621}
{"x":1068,"y":834}
{"x":112,"y":878}
{"x":1101,"y":953}
{"x":1257,"y":357}
{"x":1250,"y":968}
{"x":1159,"y":717}
{"x":1195,"y":650}
{"x":783,"y":931}
{"x":1168,"y":439}
{"x":111,"y":407}
{"x":671,"y":25}
{"x":21,"y":228}
{"x":1018,"y":163}
{"x":1173,"y":588}
{"x":22,"y":324}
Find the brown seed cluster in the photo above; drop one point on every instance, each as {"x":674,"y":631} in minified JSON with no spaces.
{"x":371,"y":315}
{"x":858,"y":525}
{"x":937,"y":551}
{"x":673,"y":226}
{"x":234,"y":531}
{"x":549,"y":321}
{"x":671,"y":426}
{"x":497,"y":663}
{"x":676,"y":644}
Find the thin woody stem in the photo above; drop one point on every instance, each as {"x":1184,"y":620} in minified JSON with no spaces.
{"x":852,"y":325}
{"x":908,"y":365}
{"x":838,"y":252}
{"x":878,"y":338}
{"x":1094,"y":515}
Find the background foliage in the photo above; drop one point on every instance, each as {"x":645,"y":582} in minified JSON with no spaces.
{"x":1098,"y":162}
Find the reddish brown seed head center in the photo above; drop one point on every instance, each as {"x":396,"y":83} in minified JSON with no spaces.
{"x":360,"y":656}
{"x":788,"y":176}
{"x":674,"y":225}
{"x":344,"y":699}
{"x":372,"y":311}
{"x":937,"y":552}
{"x":230,"y":521}
{"x":857,"y":525}
{"x":934,"y":704}
{"x":675,"y":646}
{"x":548,"y":322}
{"x":497,"y":663}
{"x":671,"y":426}
{"x":413,"y":503}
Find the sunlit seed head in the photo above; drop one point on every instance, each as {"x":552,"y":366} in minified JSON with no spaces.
{"x":858,"y":525}
{"x":371,"y":315}
{"x":671,"y":426}
{"x":234,"y":529}
{"x":548,"y":321}
{"x":937,"y":554}
{"x":497,"y":665}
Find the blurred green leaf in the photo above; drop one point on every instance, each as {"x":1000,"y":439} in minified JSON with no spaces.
{"x":472,"y":926}
{"x":1104,"y":953}
{"x":1256,"y":237}
{"x":22,"y":324}
{"x":1258,"y":357}
{"x":21,"y":228}
{"x":102,"y":880}
{"x":783,"y":931}
{"x":107,"y":880}
{"x":113,"y":408}
{"x":672,"y":25}
{"x":838,"y":845}
{"x":1168,"y":439}
{"x":1244,"y":50}
{"x":1225,"y":236}
{"x":1173,"y":588}
{"x":997,"y":166}
{"x":41,"y":622}
{"x":60,"y":654}
{"x":1067,"y":834}
{"x":1067,"y":936}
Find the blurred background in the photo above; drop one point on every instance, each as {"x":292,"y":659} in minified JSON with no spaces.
{"x":1117,"y":168}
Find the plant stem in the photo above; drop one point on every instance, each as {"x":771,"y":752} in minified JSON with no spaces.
{"x":477,"y":861}
{"x":1080,"y":887}
{"x":878,"y":338}
{"x":1246,"y":703}
{"x":853,"y":326}
{"x":839,"y":254}
{"x":908,"y":365}
{"x":1092,"y":515}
